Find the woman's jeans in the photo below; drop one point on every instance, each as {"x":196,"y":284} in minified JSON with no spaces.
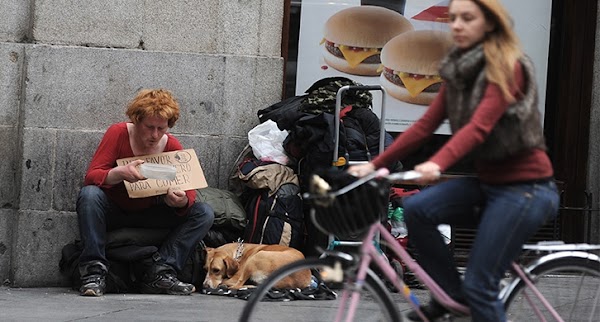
{"x":505,"y":216}
{"x":97,"y":215}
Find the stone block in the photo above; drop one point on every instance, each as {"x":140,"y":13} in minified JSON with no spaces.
{"x":217,"y":26}
{"x":37,"y":249}
{"x":74,"y":151}
{"x":14,"y":20}
{"x":184,"y":26}
{"x":76,"y":88}
{"x":258,"y":85}
{"x":11,"y":65}
{"x":7,"y":235}
{"x":39,"y":146}
{"x":252,"y":27}
{"x":270,"y":28}
{"x":108,"y":23}
{"x":8,"y":173}
{"x":214,"y":27}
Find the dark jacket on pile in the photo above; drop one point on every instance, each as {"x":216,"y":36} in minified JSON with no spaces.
{"x":310,"y":120}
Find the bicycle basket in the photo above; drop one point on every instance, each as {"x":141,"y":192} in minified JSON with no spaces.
{"x":346,"y":213}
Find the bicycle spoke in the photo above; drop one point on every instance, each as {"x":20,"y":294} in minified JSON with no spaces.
{"x":572,"y":291}
{"x":372,"y":305}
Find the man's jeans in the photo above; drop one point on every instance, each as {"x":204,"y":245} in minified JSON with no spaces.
{"x":97,"y":215}
{"x":505,"y":216}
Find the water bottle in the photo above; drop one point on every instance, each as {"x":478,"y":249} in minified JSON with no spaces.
{"x":398,"y":226}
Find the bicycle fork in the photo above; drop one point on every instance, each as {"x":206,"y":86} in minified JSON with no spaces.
{"x":352,"y":291}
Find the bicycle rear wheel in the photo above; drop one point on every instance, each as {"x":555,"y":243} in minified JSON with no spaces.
{"x":374,"y":305}
{"x":571,"y":285}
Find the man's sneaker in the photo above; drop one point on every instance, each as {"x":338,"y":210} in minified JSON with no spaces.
{"x":93,"y":285}
{"x":167,"y":283}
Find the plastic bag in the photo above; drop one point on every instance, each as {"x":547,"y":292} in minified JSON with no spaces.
{"x":266,"y":140}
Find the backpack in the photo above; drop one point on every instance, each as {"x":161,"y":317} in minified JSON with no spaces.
{"x":276,"y":219}
{"x":273,"y":204}
{"x":230,"y":216}
{"x":229,"y":211}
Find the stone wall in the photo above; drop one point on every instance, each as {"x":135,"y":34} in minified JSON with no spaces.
{"x":68,"y":69}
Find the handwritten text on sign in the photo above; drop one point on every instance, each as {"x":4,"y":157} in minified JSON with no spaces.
{"x":189,"y":174}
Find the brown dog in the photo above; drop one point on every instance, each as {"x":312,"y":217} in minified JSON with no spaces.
{"x":235,"y":264}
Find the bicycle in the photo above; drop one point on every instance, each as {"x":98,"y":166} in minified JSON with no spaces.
{"x":529,"y":291}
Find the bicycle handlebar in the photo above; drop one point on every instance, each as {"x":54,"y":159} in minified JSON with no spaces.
{"x":403,"y":176}
{"x":384,"y":173}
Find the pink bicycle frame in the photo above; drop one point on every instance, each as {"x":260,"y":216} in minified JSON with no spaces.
{"x":370,"y":253}
{"x":537,"y":293}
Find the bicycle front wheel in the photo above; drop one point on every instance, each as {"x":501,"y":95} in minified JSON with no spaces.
{"x":571,"y":284}
{"x":375,"y":303}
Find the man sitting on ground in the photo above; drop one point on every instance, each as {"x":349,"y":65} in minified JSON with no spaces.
{"x":103,"y":204}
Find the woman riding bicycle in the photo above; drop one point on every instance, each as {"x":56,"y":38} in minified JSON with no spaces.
{"x":489,"y":97}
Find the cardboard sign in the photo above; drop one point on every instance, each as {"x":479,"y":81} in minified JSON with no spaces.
{"x":189,"y":174}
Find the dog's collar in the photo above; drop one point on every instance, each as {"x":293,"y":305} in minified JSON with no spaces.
{"x":239,"y":251}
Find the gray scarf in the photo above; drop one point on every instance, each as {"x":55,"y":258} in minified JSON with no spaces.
{"x":519,"y":129}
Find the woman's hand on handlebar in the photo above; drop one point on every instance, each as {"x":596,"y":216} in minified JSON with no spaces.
{"x":361,"y":170}
{"x":430,"y":171}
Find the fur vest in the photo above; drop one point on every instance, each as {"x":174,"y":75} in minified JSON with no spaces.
{"x":519,"y":129}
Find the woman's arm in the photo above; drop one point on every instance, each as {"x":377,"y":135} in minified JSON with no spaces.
{"x":416,"y":134}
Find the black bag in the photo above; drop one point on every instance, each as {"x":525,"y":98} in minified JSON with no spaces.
{"x":129,"y":261}
{"x":284,"y":113}
{"x":122,"y":277}
{"x":276,"y":219}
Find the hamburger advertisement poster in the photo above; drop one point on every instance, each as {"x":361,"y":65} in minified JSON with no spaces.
{"x":398,"y":45}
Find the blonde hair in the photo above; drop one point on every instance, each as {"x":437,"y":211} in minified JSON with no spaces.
{"x":501,"y":47}
{"x":153,"y":102}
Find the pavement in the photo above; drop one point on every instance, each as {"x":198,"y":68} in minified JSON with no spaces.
{"x":64,"y":304}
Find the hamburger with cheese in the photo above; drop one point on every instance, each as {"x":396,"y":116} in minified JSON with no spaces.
{"x":354,"y":37}
{"x":410,"y":65}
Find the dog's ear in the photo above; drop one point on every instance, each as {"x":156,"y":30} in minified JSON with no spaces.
{"x":231,"y":266}
{"x":207,"y":261}
{"x":208,"y":256}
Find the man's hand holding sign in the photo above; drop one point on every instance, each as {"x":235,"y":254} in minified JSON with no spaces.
{"x":152,"y":175}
